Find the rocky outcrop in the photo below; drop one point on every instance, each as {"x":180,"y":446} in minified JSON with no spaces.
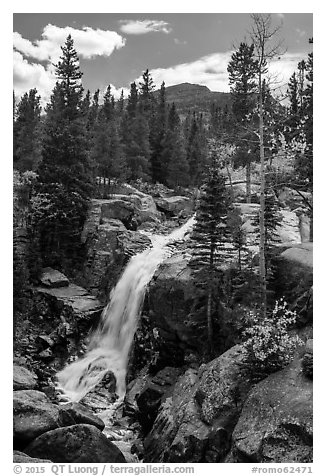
{"x":276,"y":422}
{"x":53,"y":278}
{"x":195,"y":422}
{"x":132,"y":210}
{"x":288,"y":232}
{"x":109,"y":244}
{"x":169,"y":300}
{"x":224,"y":385}
{"x":178,"y":433}
{"x":75,"y":444}
{"x":23,"y":379}
{"x":60,"y":319}
{"x":301,"y":255}
{"x":294,"y":278}
{"x":34,"y":414}
{"x":75,"y":413}
{"x":176,"y":205}
{"x":20,"y":457}
{"x":76,"y":298}
{"x":155,"y":391}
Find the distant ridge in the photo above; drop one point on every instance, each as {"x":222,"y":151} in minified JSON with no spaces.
{"x":194,"y":97}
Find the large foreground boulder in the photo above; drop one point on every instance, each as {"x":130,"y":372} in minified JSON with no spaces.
{"x":75,"y":413}
{"x":34,"y":414}
{"x":276,"y":422}
{"x":195,"y":421}
{"x":75,"y":444}
{"x":20,"y":457}
{"x":23,"y":379}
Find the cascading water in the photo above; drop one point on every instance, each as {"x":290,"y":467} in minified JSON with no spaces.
{"x":110,"y":344}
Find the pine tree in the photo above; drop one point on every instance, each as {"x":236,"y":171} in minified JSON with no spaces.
{"x":175,"y":171}
{"x":146,"y":88}
{"x":197,"y":150}
{"x":209,"y":236}
{"x":107,"y":153}
{"x":242,"y":71}
{"x":27,"y":131}
{"x":108,"y":107}
{"x":293,"y":93}
{"x":132,"y":101}
{"x":121,"y":102}
{"x":157,"y":135}
{"x":86,"y":102}
{"x":135,"y":137}
{"x":272,"y":221}
{"x":64,"y":174}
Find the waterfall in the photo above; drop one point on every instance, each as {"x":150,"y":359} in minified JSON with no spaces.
{"x":110,"y":344}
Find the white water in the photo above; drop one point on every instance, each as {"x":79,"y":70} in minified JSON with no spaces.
{"x":110,"y":345}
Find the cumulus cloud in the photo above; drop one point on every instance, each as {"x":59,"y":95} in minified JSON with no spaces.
{"x":88,"y":43}
{"x":211,"y":71}
{"x":281,"y":69}
{"x":141,"y":27}
{"x":32,"y":75}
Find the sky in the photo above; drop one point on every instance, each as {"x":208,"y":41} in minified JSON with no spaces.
{"x":115,"y":48}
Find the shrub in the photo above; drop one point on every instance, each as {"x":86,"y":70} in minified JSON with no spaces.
{"x":307,"y":365}
{"x":269,"y":345}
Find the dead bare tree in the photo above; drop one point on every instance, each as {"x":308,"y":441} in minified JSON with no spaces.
{"x":266,"y":49}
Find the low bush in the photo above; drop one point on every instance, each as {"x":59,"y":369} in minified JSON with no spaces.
{"x":269,"y":344}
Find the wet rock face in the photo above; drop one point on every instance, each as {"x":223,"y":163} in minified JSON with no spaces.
{"x":276,"y":421}
{"x":75,"y":444}
{"x":169,"y":301}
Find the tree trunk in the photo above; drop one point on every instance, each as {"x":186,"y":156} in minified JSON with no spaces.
{"x":209,"y":320}
{"x":262,"y":266}
{"x":209,"y":301}
{"x":231,"y":183}
{"x":248,"y":182}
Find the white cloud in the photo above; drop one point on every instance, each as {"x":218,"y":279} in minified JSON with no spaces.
{"x":281,"y":69}
{"x":87,"y":41}
{"x":141,"y":27}
{"x":32,"y":75}
{"x":211,"y":71}
{"x":280,"y":15}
